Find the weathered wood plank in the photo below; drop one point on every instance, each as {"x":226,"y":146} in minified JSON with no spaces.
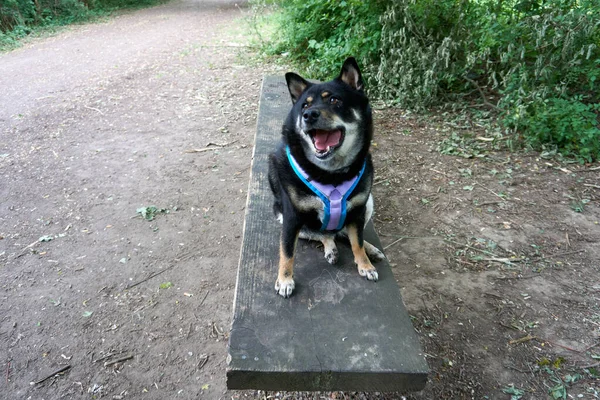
{"x":338,"y":331}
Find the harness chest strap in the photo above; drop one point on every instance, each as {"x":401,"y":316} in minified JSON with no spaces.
{"x":334,"y":197}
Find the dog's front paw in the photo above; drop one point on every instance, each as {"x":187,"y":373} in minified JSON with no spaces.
{"x":285,"y":287}
{"x":332,"y":256}
{"x":369,"y":272}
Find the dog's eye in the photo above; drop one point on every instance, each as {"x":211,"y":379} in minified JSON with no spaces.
{"x":334,"y":100}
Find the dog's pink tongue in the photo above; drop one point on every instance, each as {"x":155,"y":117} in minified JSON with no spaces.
{"x":325,"y":139}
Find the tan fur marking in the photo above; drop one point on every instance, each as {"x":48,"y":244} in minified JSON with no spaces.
{"x":309,"y":99}
{"x":360,"y":256}
{"x":286,"y":266}
{"x":324,"y":94}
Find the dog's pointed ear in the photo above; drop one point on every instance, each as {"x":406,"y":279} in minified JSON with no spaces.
{"x":350,"y":74}
{"x":296,"y":85}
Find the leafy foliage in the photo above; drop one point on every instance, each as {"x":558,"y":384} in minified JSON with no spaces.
{"x":18,"y":18}
{"x":535,"y":63}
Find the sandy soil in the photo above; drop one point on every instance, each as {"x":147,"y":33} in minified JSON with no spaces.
{"x":497,"y":256}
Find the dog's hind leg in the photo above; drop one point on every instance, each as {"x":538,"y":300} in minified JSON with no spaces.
{"x":373,"y":252}
{"x":330,"y":249}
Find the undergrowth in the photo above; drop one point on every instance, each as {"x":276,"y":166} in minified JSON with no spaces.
{"x":534,"y":63}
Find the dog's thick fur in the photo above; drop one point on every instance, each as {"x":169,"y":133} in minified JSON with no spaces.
{"x":328,"y":131}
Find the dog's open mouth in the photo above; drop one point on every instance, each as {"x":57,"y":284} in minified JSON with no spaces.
{"x":326,"y":142}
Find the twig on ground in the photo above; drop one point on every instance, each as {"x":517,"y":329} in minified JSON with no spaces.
{"x":95,"y":109}
{"x":589,"y":169}
{"x":487,"y":203}
{"x":594,"y":365}
{"x":500,"y":260}
{"x":119,"y":360}
{"x":491,"y":191}
{"x":505,"y":278}
{"x":439,"y":172}
{"x":393,"y":243}
{"x":560,"y":345}
{"x":129,"y":286}
{"x":221,"y":144}
{"x":7,"y":372}
{"x":567,"y":253}
{"x":590,"y":185}
{"x":204,"y":298}
{"x":381,"y":181}
{"x":522,"y":340}
{"x":470,"y":247}
{"x":203,"y":361}
{"x":109,"y":355}
{"x":201,"y":150}
{"x":208,"y":148}
{"x":63,"y":369}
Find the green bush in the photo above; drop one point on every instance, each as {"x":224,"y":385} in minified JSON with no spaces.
{"x":317,"y":34}
{"x":568,"y":125}
{"x":536,"y":62}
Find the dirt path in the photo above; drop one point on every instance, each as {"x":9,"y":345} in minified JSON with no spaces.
{"x":96,"y":123}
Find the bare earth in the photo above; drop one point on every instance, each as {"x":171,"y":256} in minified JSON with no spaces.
{"x":497,"y":267}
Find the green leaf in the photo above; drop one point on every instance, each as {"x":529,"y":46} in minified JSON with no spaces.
{"x":205,"y":386}
{"x":87,"y":314}
{"x":165,"y":285}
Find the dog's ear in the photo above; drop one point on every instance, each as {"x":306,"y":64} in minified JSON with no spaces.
{"x":296,"y":85}
{"x":350,"y":74}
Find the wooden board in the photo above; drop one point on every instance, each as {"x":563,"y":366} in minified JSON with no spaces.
{"x":338,"y":331}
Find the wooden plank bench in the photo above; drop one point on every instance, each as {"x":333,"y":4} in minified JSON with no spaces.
{"x":338,"y":331}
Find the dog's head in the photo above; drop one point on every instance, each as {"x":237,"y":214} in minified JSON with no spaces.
{"x":331,"y":121}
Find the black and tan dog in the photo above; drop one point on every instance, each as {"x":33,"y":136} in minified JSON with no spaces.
{"x":321,"y":174}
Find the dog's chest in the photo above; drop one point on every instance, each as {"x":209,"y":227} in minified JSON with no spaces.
{"x":309,"y":203}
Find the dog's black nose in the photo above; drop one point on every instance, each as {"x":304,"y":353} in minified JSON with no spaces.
{"x":311,"y":115}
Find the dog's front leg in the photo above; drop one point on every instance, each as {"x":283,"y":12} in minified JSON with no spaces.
{"x":285,"y":277}
{"x":365,"y":268}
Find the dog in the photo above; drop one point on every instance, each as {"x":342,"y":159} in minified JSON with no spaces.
{"x":321,"y":173}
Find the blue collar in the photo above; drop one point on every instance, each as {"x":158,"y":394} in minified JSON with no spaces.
{"x":334,"y":197}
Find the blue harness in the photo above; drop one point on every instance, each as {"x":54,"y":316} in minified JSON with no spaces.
{"x":334,"y":197}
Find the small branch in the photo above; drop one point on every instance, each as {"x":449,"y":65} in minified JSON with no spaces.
{"x":95,"y":109}
{"x":204,"y":298}
{"x":491,"y":191}
{"x":208,"y":148}
{"x":522,"y":340}
{"x":589,"y":169}
{"x":202,"y":362}
{"x":119,"y":360}
{"x":63,"y":369}
{"x":148,"y":278}
{"x":201,"y":150}
{"x":566,"y":253}
{"x":393,"y":243}
{"x":221,"y":144}
{"x":500,"y":260}
{"x":470,"y":247}
{"x":506,"y":278}
{"x":381,"y":181}
{"x":109,"y":355}
{"x":594,"y":365}
{"x":485,"y":101}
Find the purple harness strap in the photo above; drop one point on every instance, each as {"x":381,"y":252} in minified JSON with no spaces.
{"x":334,"y":197}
